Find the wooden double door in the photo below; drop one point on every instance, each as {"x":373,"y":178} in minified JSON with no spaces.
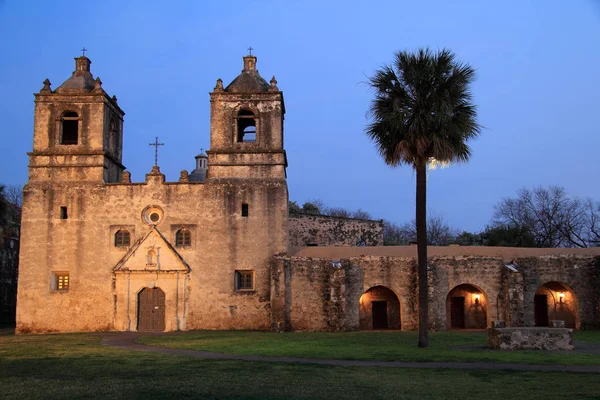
{"x":151,"y":310}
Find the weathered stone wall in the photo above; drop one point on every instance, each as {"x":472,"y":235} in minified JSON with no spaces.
{"x":446,"y":273}
{"x":397,"y":274}
{"x":317,"y":295}
{"x":311,"y":295}
{"x":576,"y":272}
{"x":83,"y":245}
{"x":323,"y":230}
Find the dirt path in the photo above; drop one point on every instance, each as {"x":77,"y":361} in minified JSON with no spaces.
{"x":126,"y":340}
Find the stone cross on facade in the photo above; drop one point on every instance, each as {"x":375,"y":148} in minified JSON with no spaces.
{"x":156,"y":144}
{"x":250,"y":50}
{"x":83,"y":50}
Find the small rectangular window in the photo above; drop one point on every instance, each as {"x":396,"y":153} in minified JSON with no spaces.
{"x":244,"y":280}
{"x":183,"y":238}
{"x":60,"y":281}
{"x":244,"y":210}
{"x":63,"y":213}
{"x":122,"y":238}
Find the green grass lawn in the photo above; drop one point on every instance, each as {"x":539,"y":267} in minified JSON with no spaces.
{"x":587,"y":336}
{"x":383,"y":346}
{"x":77,"y":366}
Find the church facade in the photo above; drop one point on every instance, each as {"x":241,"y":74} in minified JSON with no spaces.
{"x":217,"y":249}
{"x":102,"y":253}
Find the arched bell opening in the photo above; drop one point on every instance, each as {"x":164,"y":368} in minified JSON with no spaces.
{"x":379,"y":309}
{"x":466,"y":308}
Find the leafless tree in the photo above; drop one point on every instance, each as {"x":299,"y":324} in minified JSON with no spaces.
{"x":361,"y":214}
{"x":14,"y":194}
{"x":552,"y":217}
{"x":439,"y":233}
{"x":338,"y":212}
{"x":395,"y":235}
{"x":581,"y":223}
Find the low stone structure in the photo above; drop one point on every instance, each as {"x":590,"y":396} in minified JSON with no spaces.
{"x":530,"y":338}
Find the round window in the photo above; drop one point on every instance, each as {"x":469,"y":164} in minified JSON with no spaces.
{"x":152,"y":215}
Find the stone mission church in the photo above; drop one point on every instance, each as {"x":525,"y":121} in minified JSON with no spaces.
{"x":217,"y":249}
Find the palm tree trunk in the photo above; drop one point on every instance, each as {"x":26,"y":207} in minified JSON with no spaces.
{"x":421,"y":219}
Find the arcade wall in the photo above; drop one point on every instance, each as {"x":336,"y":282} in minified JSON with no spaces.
{"x":329,"y":294}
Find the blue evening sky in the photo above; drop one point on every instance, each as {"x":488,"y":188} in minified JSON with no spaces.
{"x":537,"y":88}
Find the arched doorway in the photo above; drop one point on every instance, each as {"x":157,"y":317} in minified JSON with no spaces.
{"x":555,"y":301}
{"x":466,"y":308}
{"x":151,"y":310}
{"x":379,"y":309}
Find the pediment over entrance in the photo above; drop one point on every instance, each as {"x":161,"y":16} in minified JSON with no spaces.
{"x":152,"y":253}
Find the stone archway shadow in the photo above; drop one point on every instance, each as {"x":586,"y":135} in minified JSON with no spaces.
{"x":379,"y":308}
{"x":467,"y":307}
{"x":555,"y":300}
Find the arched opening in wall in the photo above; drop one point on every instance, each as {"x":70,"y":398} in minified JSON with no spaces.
{"x":246,"y":126}
{"x":69,"y":126}
{"x":151,"y":310}
{"x":466,"y":308}
{"x":379,"y":309}
{"x":555,"y":301}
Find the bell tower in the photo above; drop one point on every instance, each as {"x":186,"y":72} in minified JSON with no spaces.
{"x":246,"y":127}
{"x":78,"y":131}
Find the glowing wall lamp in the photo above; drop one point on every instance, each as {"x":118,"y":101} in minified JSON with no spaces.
{"x":477,"y":297}
{"x":561,"y":296}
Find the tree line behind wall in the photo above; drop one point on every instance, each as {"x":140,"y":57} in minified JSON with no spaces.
{"x":539,"y":217}
{"x":10,"y":219}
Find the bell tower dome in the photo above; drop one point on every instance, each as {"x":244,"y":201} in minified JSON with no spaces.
{"x":78,"y":131}
{"x":246,"y":134}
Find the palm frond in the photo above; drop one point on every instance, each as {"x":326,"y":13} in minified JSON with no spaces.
{"x":423,"y":108}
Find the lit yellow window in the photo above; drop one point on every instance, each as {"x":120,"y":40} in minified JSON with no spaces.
{"x":62,"y":281}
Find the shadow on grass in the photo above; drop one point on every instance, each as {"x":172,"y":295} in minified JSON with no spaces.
{"x":449,"y":346}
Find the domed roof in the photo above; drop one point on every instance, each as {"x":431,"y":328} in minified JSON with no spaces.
{"x":249,"y":81}
{"x":82,"y":78}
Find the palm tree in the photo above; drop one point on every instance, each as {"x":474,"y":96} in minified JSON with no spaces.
{"x":422,"y":111}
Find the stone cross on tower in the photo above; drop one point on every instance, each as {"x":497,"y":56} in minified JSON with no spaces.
{"x":156,"y":144}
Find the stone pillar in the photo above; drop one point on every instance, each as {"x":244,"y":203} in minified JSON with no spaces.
{"x":336,"y":299}
{"x":515,"y":288}
{"x":354,"y":288}
{"x":438,"y":292}
{"x":278,"y":300}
